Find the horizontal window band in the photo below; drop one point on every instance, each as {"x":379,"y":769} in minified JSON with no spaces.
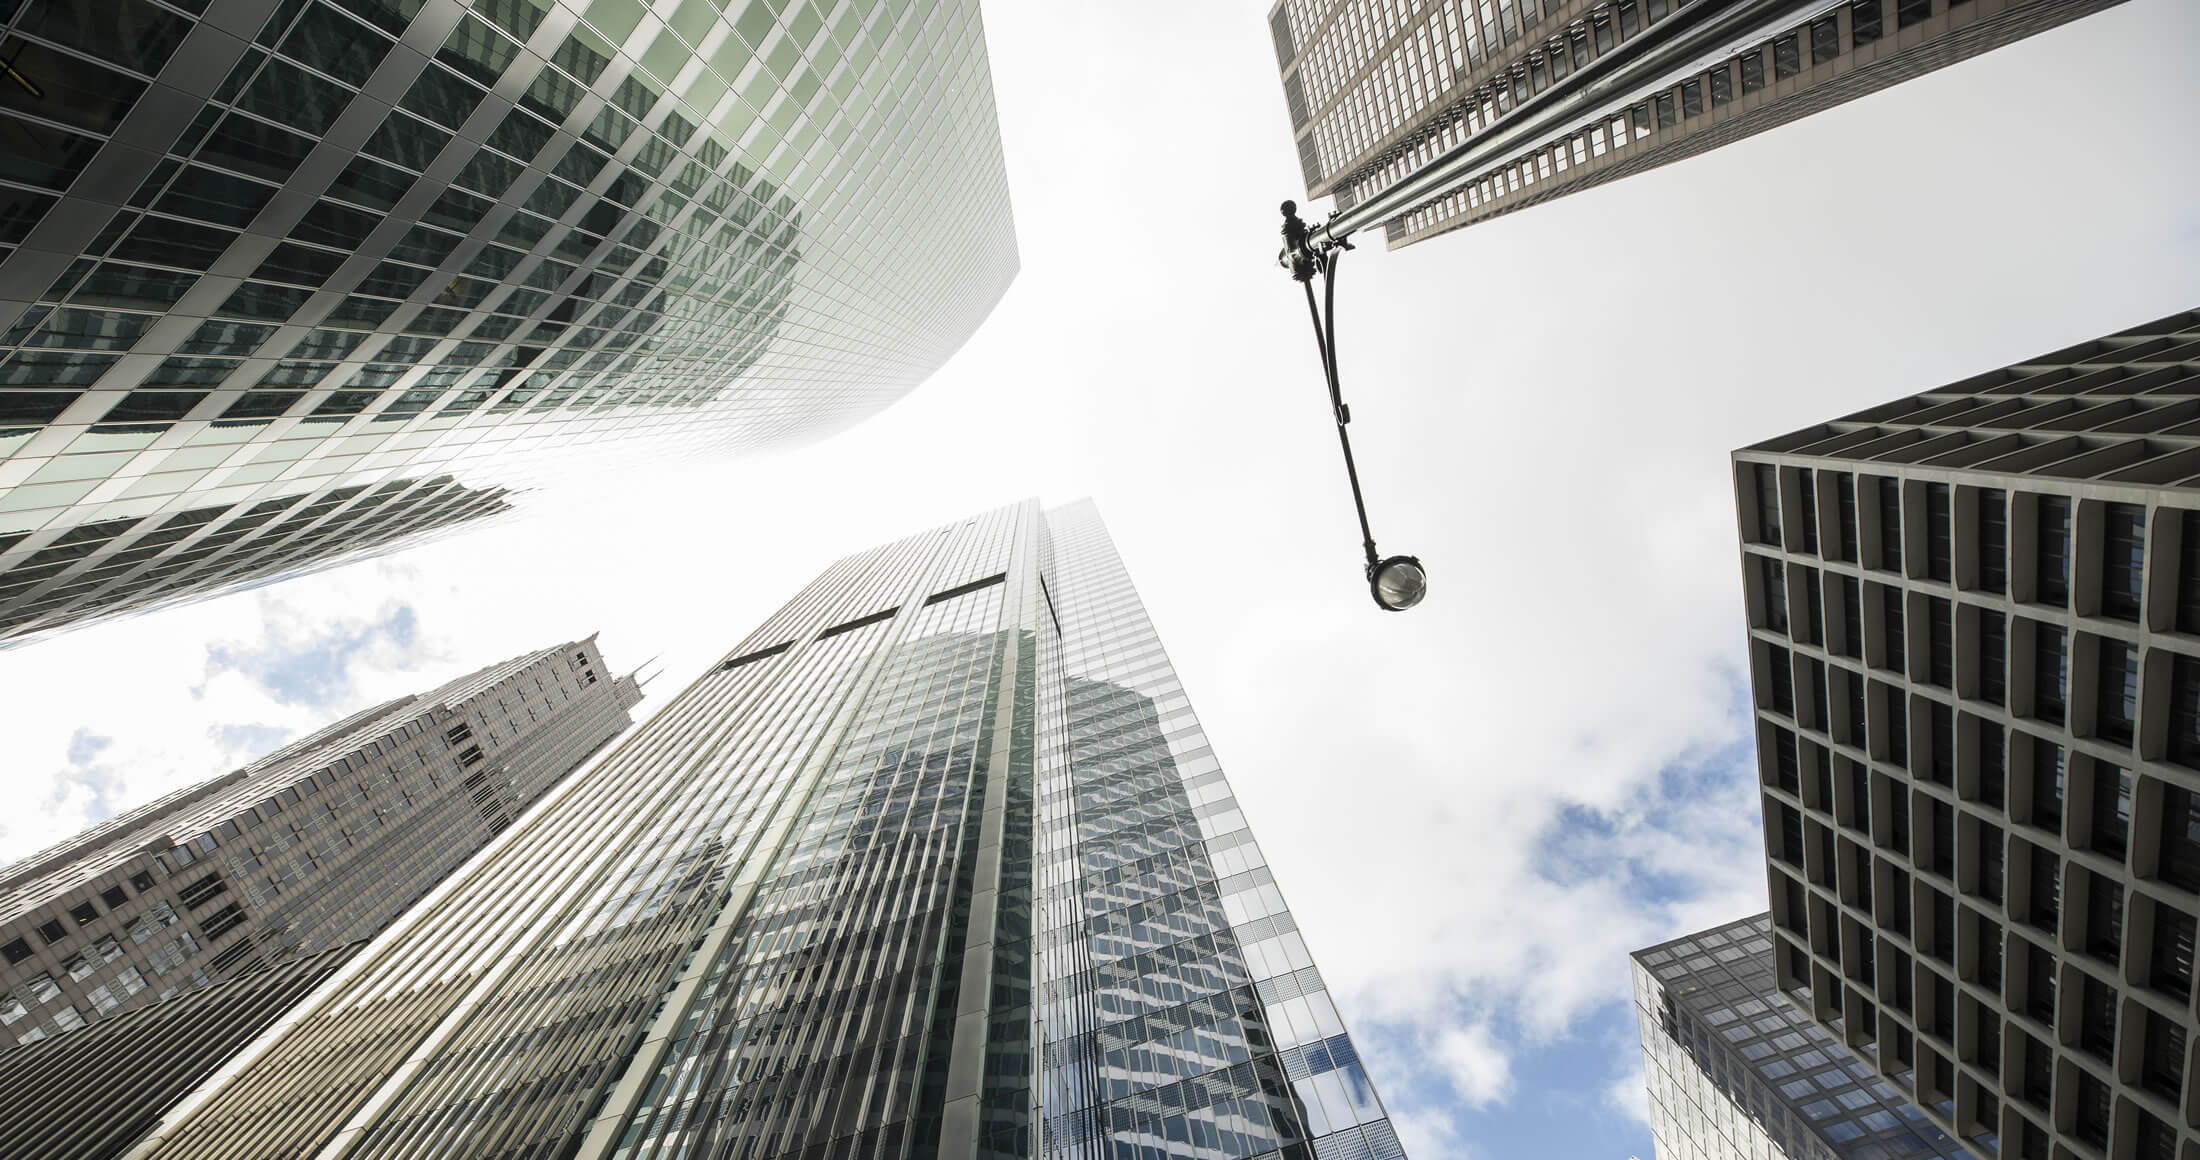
{"x":960,"y":589}
{"x":758,"y":655}
{"x":860,"y":622}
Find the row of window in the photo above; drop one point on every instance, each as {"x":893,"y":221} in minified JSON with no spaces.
{"x":2037,"y":548}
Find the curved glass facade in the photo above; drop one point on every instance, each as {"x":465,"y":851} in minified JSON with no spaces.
{"x":261,"y":249}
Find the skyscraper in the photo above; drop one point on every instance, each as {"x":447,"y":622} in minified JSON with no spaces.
{"x":1456,"y":111}
{"x":317,"y":845}
{"x":937,"y":861}
{"x":1975,"y":650}
{"x":1734,"y":1070}
{"x":296,"y":254}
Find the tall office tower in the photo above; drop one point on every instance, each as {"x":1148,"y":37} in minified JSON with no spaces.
{"x":289,"y":258}
{"x":936,"y":862}
{"x":314,"y":846}
{"x":1460,"y":110}
{"x":1975,"y":645}
{"x":1735,"y":1071}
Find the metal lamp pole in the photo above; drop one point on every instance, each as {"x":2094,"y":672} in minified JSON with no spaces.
{"x":1396,"y":582}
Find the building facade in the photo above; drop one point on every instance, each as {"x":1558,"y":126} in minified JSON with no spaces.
{"x":1975,"y":651}
{"x":1735,"y":1072}
{"x":317,"y":845}
{"x":267,"y":252}
{"x":936,"y":862}
{"x":1469,"y":109}
{"x":94,"y":1094}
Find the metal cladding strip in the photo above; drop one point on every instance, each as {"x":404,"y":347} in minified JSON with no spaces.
{"x":430,"y":906}
{"x":1700,"y":33}
{"x":959,"y":1124}
{"x":624,"y":1100}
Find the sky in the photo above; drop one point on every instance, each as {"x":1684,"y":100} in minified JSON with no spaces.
{"x":1476,"y":809}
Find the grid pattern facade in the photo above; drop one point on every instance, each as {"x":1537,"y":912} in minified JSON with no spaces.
{"x":297,"y":250}
{"x":833,"y":901}
{"x":1556,"y":96}
{"x":317,"y":845}
{"x":1975,"y":648}
{"x":1735,"y":1071}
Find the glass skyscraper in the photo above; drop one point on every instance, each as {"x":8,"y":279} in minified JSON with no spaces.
{"x":1974,"y":633}
{"x":936,"y":862}
{"x":271,"y":269}
{"x":1458,"y":111}
{"x":1736,"y":1072}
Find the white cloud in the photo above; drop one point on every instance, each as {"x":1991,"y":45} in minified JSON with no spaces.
{"x":1627,"y":1096}
{"x":1474,"y":1064}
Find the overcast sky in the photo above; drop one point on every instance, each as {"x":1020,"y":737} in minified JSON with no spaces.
{"x":1478,"y":809}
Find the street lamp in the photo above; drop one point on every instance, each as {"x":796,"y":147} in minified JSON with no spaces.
{"x":1396,"y":582}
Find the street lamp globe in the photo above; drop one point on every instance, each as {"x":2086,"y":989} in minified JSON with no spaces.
{"x":1399,"y":583}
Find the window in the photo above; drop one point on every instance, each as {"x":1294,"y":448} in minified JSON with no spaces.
{"x":2184,"y":711}
{"x":1772,"y":579}
{"x":1993,"y":541}
{"x":1993,"y":765}
{"x":1722,"y":91}
{"x":2117,"y":709}
{"x":1753,"y":72}
{"x":2162,"y":1058}
{"x":2104,"y":923}
{"x":2054,"y":551}
{"x":1898,"y":724}
{"x":2111,"y":809}
{"x":2046,"y":885}
{"x":141,"y":881}
{"x":2097,"y":1017}
{"x":1942,"y":768}
{"x":2047,"y":784}
{"x":1691,"y":98}
{"x":1812,"y":630}
{"x":1993,"y":657}
{"x":2169,"y":968}
{"x":83,"y":913}
{"x":1890,"y":525}
{"x":1890,"y":617}
{"x":2123,"y":564}
{"x":1787,"y":57}
{"x":2188,"y":575}
{"x":2039,"y":986}
{"x":1783,"y":682}
{"x":1844,"y":489}
{"x":1825,"y":40}
{"x":1852,"y":616}
{"x":1943,"y":823}
{"x":1768,"y":503}
{"x":198,"y":893}
{"x":2038,"y":1083}
{"x":1940,"y":642}
{"x":1992,"y":867}
{"x":16,"y":951}
{"x":1864,"y":20}
{"x":2050,"y":678}
{"x":1908,"y":12}
{"x":2179,"y":862}
{"x":113,"y":897}
{"x":1940,"y":547}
